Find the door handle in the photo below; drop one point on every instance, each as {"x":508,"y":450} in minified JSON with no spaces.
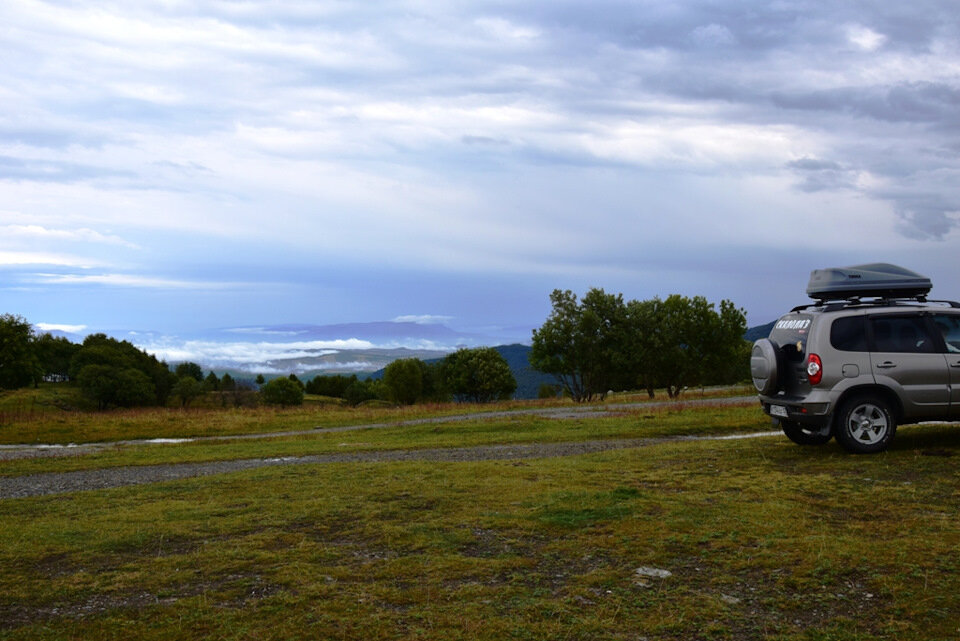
{"x":886,"y":365}
{"x":957,"y":364}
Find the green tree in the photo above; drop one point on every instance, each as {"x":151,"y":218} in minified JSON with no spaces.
{"x":53,"y":355}
{"x":120,"y":356}
{"x":581,"y":343}
{"x":334,"y":386}
{"x":18,"y":363}
{"x":479,"y":375}
{"x":211,"y":383}
{"x":283,"y":392}
{"x":403,"y":379}
{"x":260,"y":379}
{"x":187,"y":389}
{"x":112,"y":386}
{"x":365,"y":390}
{"x":680,"y":342}
{"x":227,"y":384}
{"x":189,"y":369}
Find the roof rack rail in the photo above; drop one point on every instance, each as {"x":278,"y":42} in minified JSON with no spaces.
{"x":951,"y":303}
{"x":834,"y":305}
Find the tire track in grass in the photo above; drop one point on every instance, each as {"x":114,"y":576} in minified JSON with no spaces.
{"x":85,"y":480}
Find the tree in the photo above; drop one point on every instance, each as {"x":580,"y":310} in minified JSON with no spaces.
{"x":187,"y":389}
{"x":53,"y":356}
{"x":260,"y":379}
{"x":120,"y":387}
{"x":403,"y":379}
{"x":334,"y":386}
{"x":189,"y":369}
{"x":211,"y":383}
{"x":18,"y":363}
{"x":681,"y":341}
{"x":581,"y":343}
{"x":365,"y":390}
{"x":112,"y":386}
{"x":602,"y":343}
{"x":283,"y":392}
{"x":479,"y":375}
{"x":227,"y":384}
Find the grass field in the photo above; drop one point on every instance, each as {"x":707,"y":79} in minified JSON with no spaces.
{"x":762,"y":539}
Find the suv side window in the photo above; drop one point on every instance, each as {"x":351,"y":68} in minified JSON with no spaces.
{"x":949,"y":327}
{"x":902,"y":334}
{"x":849,"y":334}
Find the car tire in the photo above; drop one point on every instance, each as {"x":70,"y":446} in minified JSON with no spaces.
{"x":803,"y":435}
{"x":865,"y":425}
{"x":764,"y":362}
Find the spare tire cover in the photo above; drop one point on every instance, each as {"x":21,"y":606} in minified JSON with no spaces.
{"x":763,"y":366}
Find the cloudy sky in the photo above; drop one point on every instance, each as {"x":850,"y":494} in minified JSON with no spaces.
{"x":181,"y":165}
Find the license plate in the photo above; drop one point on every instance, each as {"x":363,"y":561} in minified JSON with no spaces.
{"x":778,"y":410}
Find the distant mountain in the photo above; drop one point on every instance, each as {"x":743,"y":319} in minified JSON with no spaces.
{"x":529,"y":380}
{"x":758,"y":332}
{"x":379,"y":333}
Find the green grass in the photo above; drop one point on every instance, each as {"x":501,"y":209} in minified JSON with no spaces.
{"x":520,"y":429}
{"x":51,"y":414}
{"x":763,"y":539}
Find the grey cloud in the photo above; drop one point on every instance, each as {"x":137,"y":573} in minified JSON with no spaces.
{"x":926,"y":217}
{"x":821,"y":175}
{"x":922,"y":102}
{"x":814,"y":164}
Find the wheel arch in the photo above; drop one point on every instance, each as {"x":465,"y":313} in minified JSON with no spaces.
{"x":872,"y":390}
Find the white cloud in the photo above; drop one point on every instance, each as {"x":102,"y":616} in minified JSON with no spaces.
{"x":248,"y":353}
{"x":130,"y":280}
{"x":45,"y":258}
{"x":60,"y":327}
{"x":39,"y":232}
{"x":865,"y":38}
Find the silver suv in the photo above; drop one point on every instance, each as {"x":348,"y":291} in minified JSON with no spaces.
{"x":871,"y":353}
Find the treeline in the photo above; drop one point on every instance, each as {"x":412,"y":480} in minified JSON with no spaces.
{"x":114,"y":373}
{"x":602,"y":343}
{"x":109,"y":372}
{"x":476,"y":375}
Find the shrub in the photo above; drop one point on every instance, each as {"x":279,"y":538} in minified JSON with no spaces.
{"x":283,"y":392}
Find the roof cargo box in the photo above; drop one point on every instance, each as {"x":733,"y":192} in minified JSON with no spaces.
{"x":879,"y":280}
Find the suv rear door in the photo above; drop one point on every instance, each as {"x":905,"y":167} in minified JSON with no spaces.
{"x":907,"y":356}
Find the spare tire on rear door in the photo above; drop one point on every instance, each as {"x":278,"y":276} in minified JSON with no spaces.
{"x":763,"y":366}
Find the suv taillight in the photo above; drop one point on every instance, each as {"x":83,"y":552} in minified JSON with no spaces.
{"x":814,"y":369}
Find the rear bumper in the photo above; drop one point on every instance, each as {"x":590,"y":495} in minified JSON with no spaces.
{"x":813,"y":414}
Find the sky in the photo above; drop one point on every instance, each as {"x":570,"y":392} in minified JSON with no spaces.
{"x":175,"y":166}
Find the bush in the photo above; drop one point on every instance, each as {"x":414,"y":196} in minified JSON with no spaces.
{"x":548,"y":391}
{"x":404,"y":380}
{"x":480,"y":375}
{"x":282,"y":392}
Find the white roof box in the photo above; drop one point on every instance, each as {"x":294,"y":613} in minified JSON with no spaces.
{"x":876,"y":280}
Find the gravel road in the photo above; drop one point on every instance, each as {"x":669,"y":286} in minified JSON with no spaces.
{"x":58,"y":483}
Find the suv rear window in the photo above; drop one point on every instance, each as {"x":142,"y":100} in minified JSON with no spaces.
{"x":790,"y":333}
{"x":849,"y":334}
